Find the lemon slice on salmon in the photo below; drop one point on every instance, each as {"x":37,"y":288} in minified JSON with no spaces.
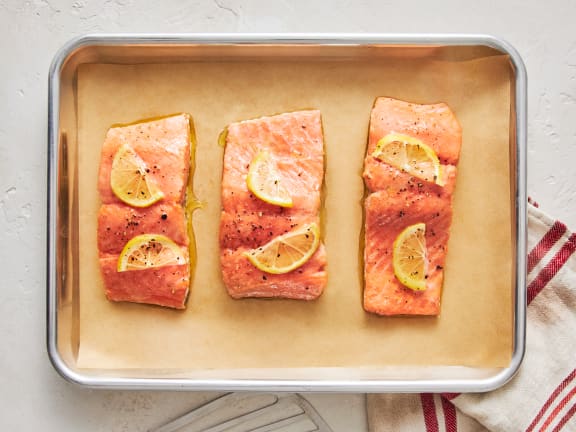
{"x":130,"y":179}
{"x":265,"y":182}
{"x":409,"y":257}
{"x":150,"y":250}
{"x":410,"y":155}
{"x":286,"y":252}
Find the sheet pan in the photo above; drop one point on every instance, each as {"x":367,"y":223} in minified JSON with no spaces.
{"x":221,"y":344}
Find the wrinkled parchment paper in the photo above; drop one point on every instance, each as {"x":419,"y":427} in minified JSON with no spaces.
{"x":475,"y":326}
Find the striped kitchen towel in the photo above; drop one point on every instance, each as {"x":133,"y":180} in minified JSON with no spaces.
{"x":542,"y":396}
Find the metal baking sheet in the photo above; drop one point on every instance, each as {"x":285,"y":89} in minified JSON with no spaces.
{"x":63,"y":215}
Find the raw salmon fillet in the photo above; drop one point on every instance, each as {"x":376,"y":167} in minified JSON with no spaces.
{"x":165,"y":146}
{"x":397,"y":200}
{"x":295,"y":143}
{"x":119,"y":223}
{"x":164,"y":286}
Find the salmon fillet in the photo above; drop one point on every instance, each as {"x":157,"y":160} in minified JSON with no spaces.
{"x":295,"y":143}
{"x":244,"y":280}
{"x":119,"y":223}
{"x":165,"y":146}
{"x":251,"y":230}
{"x":164,"y":286}
{"x":397,"y":200}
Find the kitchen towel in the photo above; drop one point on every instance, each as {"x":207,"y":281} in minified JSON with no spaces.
{"x":542,"y":395}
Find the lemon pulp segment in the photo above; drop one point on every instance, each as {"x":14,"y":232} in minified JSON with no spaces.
{"x":409,"y":257}
{"x":288,"y":251}
{"x":130,"y":179}
{"x":265,"y":182}
{"x":148,"y":251}
{"x":410,"y":155}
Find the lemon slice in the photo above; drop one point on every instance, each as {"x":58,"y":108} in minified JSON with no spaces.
{"x":150,"y":250}
{"x":410,"y":155}
{"x":409,"y":257}
{"x":286,"y":252}
{"x":265,"y":182}
{"x":130,"y":179}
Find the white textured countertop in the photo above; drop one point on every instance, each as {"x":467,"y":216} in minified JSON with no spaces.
{"x":32,"y":395}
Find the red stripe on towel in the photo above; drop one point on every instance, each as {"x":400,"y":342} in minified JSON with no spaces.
{"x":554,"y":234}
{"x":449,"y":416}
{"x":565,"y":419}
{"x":550,"y":270}
{"x":553,"y":396}
{"x":429,"y":411}
{"x":558,"y":408}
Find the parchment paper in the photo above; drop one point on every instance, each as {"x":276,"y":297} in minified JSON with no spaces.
{"x":475,"y":326}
